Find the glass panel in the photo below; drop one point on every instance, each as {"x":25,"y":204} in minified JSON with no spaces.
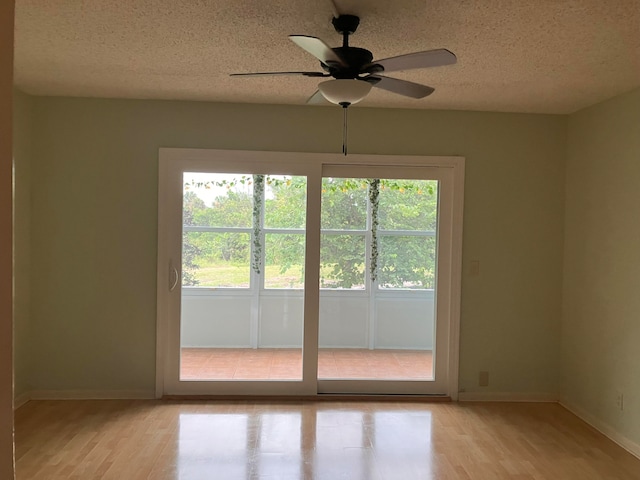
{"x":285,"y":202}
{"x":344,"y":203}
{"x":342,"y":261}
{"x":212,"y":259}
{"x":407,"y":262}
{"x":385,"y":332}
{"x":408,"y":205}
{"x":221,"y":201}
{"x":217,"y":199}
{"x":237,"y":332}
{"x":284,"y":260}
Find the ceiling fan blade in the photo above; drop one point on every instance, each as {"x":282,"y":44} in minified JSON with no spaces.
{"x":259,"y":74}
{"x":318,"y":49}
{"x":401,"y":87}
{"x":317,"y":99}
{"x":429,"y":58}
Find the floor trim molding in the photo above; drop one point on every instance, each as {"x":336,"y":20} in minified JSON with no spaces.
{"x":607,"y":430}
{"x":507,"y":397}
{"x":20,"y":400}
{"x":90,"y":395}
{"x":326,"y":397}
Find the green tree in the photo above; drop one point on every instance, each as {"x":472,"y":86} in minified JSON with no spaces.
{"x":230,"y":210}
{"x":400,"y":261}
{"x":344,"y":207}
{"x":286,"y":207}
{"x":190,"y":251}
{"x":407,"y":261}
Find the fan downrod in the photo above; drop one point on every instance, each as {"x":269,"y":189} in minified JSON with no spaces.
{"x":354,"y":57}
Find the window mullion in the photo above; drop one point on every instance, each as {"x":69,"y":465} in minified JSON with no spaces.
{"x":261,"y":235}
{"x":257,"y":257}
{"x":257,"y":244}
{"x":372,"y":223}
{"x":371,"y":258}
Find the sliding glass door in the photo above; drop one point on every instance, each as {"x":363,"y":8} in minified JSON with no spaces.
{"x":379,"y":280}
{"x":294,"y":274}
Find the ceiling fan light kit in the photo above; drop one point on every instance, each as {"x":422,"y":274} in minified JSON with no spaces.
{"x":354,"y":71}
{"x":344,"y":92}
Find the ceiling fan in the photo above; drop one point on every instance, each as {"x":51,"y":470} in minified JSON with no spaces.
{"x":354,"y":71}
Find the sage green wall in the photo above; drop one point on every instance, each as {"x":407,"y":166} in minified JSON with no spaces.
{"x":22,"y":138}
{"x":601,"y":308}
{"x":94,"y":186}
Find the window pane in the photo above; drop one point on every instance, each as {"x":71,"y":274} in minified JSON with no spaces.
{"x":285,"y":201}
{"x":217,"y":199}
{"x":407,"y":262}
{"x":342,"y":262}
{"x":284,"y":256}
{"x":344,"y":203}
{"x":408,"y":205}
{"x":211,"y":259}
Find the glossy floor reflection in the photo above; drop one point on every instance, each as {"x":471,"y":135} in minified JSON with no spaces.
{"x":313,"y":440}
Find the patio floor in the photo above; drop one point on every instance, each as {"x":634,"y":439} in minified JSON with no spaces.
{"x":286,"y":364}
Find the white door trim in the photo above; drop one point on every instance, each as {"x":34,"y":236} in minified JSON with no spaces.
{"x":171,"y":161}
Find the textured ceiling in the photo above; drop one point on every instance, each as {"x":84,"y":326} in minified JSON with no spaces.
{"x":547,"y":56}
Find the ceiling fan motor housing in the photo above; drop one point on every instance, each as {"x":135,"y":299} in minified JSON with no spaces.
{"x":355,"y":58}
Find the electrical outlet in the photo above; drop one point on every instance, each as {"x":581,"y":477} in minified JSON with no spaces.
{"x":483,"y":379}
{"x":620,"y":401}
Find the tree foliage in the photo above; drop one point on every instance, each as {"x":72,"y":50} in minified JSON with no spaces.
{"x":407,"y":261}
{"x":351,"y":209}
{"x":190,"y":252}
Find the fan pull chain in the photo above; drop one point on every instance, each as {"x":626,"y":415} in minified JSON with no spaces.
{"x":344,"y":128}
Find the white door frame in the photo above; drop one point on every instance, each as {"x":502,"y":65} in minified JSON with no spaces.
{"x":173,"y":161}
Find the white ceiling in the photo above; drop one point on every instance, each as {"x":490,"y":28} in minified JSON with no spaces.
{"x":546,"y":56}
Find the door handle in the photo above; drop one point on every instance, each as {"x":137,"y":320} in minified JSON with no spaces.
{"x":174,"y":270}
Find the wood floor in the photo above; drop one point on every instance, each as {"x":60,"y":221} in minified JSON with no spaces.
{"x":286,"y":364}
{"x":161,"y":440}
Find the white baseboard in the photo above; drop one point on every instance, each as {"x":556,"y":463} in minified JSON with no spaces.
{"x":91,"y":394}
{"x":21,"y":399}
{"x":607,"y":430}
{"x":507,"y":397}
